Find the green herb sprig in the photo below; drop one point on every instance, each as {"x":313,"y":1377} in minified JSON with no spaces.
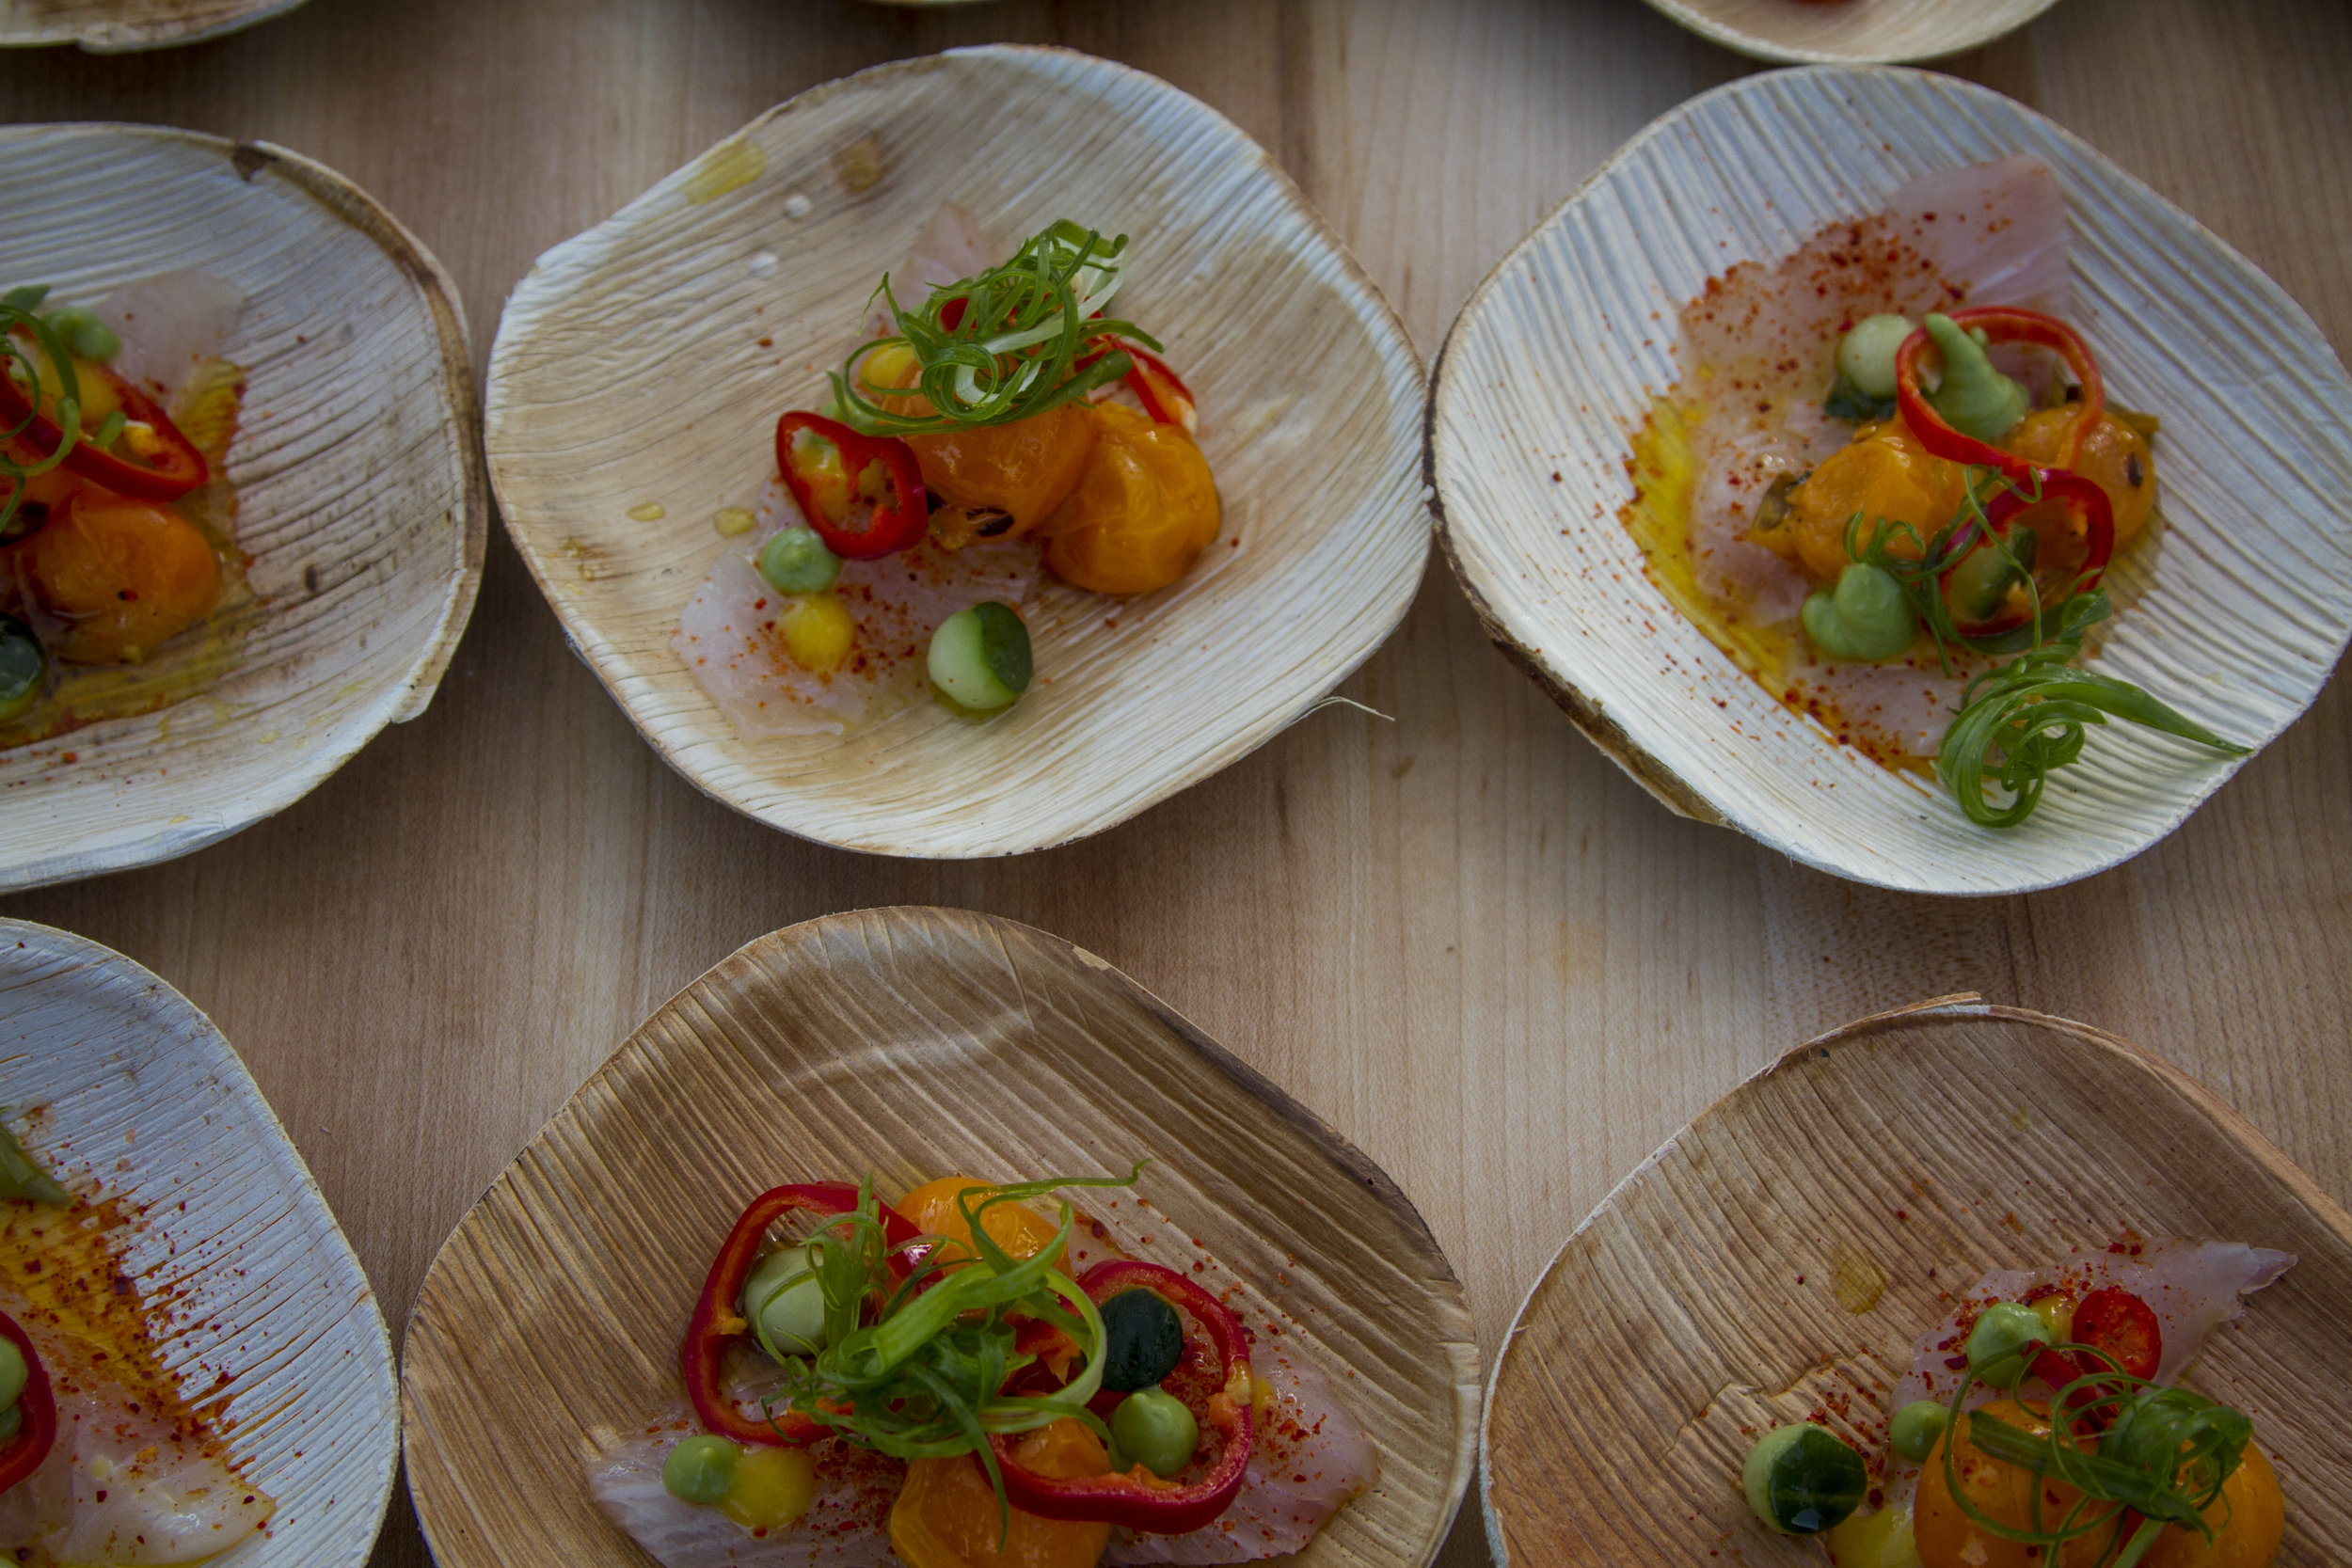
{"x":17,"y":364}
{"x":916,"y":1367}
{"x":2020,"y":722}
{"x":1013,"y":352}
{"x":2163,"y":1455}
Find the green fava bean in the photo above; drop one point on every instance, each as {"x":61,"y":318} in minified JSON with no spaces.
{"x":12,"y":1375}
{"x":1917,"y":1428}
{"x":1802,"y":1479}
{"x":1997,"y":1345}
{"x":1142,"y":1341}
{"x":1154,"y":1428}
{"x":1865,"y":617}
{"x":783,"y":1297}
{"x":797,"y":562}
{"x":701,"y":1470}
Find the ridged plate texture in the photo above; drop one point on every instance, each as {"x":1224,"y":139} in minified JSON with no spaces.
{"x":1852,"y":32}
{"x":143,"y":1098}
{"x":359,"y":495}
{"x":2235,"y":616}
{"x":121,"y":26}
{"x":643,"y":364}
{"x":1791,"y":1244}
{"x":911,"y":1043}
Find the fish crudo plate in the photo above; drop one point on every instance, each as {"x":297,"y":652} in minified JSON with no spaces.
{"x":1818,"y":1246}
{"x":1852,"y":32}
{"x":642,"y":368}
{"x":344,"y":500}
{"x":244,"y":1408}
{"x":2232,"y":608}
{"x":546,"y":1383}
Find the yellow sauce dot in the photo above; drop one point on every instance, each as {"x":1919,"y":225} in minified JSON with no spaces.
{"x":732,"y":520}
{"x":817,"y":632}
{"x":772,"y":1487}
{"x":648,"y":511}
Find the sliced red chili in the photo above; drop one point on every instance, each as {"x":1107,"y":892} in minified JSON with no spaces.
{"x":174,"y":469}
{"x":716,"y":1322}
{"x":2030,"y":482}
{"x":37,"y":1428}
{"x":862,"y":494}
{"x":1154,"y":383}
{"x":2119,"y":1325}
{"x":1156,"y":1507}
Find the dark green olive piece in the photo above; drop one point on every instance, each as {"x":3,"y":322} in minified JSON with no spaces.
{"x":1143,"y":1338}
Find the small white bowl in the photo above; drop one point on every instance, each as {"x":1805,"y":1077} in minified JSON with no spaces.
{"x":641,"y":366}
{"x":359,"y":495}
{"x":2236,"y":620}
{"x":1852,"y":32}
{"x":260,"y":1286}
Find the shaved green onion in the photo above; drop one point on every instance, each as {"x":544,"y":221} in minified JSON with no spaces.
{"x":2165,"y":1456}
{"x":2018,"y":722}
{"x":17,"y":364}
{"x":916,"y":1367}
{"x":1013,"y":352}
{"x":2031,"y":714}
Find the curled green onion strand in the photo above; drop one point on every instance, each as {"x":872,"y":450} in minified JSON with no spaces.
{"x":2165,"y":1455}
{"x":916,"y":1367}
{"x":17,"y":364}
{"x":1013,"y":353}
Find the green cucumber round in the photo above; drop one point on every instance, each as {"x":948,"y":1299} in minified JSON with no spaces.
{"x":22,"y":667}
{"x":980,"y":659}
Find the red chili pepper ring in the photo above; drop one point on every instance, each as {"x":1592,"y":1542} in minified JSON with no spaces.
{"x":37,"y":1430}
{"x":716,"y":1322}
{"x":1123,"y":1500}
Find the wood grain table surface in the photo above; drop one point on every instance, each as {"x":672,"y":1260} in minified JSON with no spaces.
{"x":1460,"y":936}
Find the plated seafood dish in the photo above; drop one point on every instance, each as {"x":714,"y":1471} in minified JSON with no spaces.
{"x":2043,"y":1421}
{"x":1001,"y":428}
{"x":957,"y":1380}
{"x":106,"y":1456}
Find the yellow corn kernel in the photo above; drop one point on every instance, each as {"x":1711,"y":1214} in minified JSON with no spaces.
{"x":772,"y":1487}
{"x":817,"y":631}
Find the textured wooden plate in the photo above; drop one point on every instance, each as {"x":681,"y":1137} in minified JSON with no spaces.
{"x":909,"y":1042}
{"x":1852,"y":32}
{"x":359,"y":494}
{"x":643,"y":364}
{"x":145,"y":1100}
{"x":122,"y":26}
{"x":1703,"y":1295}
{"x":2236,"y":616}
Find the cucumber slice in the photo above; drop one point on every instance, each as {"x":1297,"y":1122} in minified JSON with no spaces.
{"x":980,"y":659}
{"x":22,"y":666}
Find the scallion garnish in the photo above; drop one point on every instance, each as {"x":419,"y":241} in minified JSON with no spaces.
{"x":917,"y":1367}
{"x":1008,"y":344}
{"x":2163,"y":1456}
{"x":2020,"y":722}
{"x":17,"y":364}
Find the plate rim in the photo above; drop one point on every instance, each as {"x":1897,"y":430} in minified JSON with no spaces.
{"x":1758,"y":47}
